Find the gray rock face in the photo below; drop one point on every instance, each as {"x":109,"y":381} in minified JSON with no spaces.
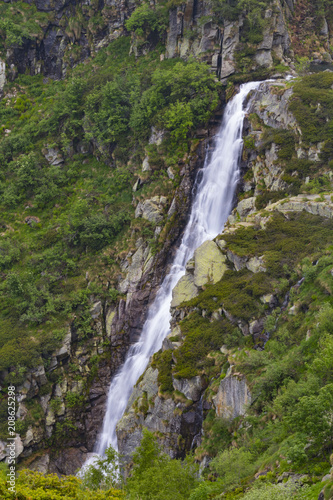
{"x":50,"y":53}
{"x":229,"y":45}
{"x":191,"y":388}
{"x":151,"y":210}
{"x":2,"y":75}
{"x":309,"y":203}
{"x":232,"y":398}
{"x":272,"y":107}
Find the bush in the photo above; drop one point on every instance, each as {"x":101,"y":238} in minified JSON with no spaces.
{"x":145,"y":20}
{"x":233,"y":465}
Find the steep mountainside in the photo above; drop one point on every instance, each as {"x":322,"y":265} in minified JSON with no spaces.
{"x":107,"y":111}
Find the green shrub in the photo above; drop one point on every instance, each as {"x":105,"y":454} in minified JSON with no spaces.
{"x":145,"y":20}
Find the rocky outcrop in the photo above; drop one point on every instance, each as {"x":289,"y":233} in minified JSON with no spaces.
{"x":233,"y":397}
{"x":218,"y":43}
{"x":70,"y":391}
{"x":207,"y":266}
{"x":316,"y":205}
{"x":69,"y":33}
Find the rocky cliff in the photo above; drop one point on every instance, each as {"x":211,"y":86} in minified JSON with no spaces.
{"x":230,"y":289}
{"x":233,"y":291}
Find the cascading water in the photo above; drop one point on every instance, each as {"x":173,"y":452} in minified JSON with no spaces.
{"x":215,"y":189}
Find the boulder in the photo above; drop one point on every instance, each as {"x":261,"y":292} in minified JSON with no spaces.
{"x":245,"y":207}
{"x":209,"y":264}
{"x":184,"y":290}
{"x":96,"y":309}
{"x":145,"y":165}
{"x":39,"y":375}
{"x":256,"y":264}
{"x":53,"y":156}
{"x":18,"y":446}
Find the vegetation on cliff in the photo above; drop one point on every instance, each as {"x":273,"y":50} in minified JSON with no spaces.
{"x":76,"y":156}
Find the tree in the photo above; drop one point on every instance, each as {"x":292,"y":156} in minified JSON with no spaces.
{"x":156,"y":476}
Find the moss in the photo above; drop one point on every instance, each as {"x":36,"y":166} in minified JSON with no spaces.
{"x":288,"y":240}
{"x":285,"y":139}
{"x":312,"y":105}
{"x":163,"y":362}
{"x":200,"y":338}
{"x":266,"y":197}
{"x":237,"y":292}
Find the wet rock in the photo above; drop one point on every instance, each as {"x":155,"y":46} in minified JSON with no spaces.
{"x":147,"y":385}
{"x":232,"y":398}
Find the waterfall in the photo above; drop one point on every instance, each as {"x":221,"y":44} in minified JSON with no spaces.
{"x":214,"y":194}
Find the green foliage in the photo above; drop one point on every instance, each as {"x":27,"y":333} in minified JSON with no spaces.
{"x":233,"y":465}
{"x":180,"y":98}
{"x":191,"y":356}
{"x":155,"y":475}
{"x":163,"y":361}
{"x":19,"y":21}
{"x":145,"y":20}
{"x":31,"y":485}
{"x":238,"y":292}
{"x":266,"y":491}
{"x":312,"y":106}
{"x":75,"y":400}
{"x":103,"y":473}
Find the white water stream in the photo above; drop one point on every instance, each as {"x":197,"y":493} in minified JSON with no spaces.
{"x":215,"y":188}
